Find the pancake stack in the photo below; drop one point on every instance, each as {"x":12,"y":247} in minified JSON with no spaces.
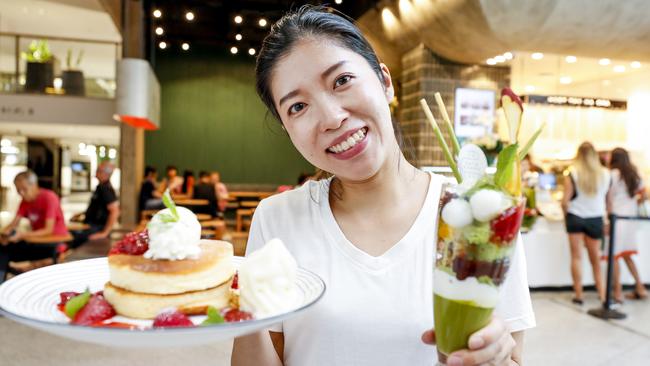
{"x":142,"y":288}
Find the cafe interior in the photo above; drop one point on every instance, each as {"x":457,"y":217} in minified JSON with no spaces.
{"x":162,"y":93}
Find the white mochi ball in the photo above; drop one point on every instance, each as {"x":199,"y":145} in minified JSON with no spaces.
{"x":457,"y":213}
{"x":487,"y":204}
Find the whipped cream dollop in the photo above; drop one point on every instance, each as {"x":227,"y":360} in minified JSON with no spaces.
{"x":267,"y":280}
{"x":174,"y":240}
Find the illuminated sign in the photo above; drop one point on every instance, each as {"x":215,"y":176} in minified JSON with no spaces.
{"x":560,"y":100}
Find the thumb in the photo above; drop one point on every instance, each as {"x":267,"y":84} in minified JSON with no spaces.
{"x":429,"y":337}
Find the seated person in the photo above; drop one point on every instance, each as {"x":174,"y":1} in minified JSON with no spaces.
{"x":172,"y":181}
{"x":205,"y":190}
{"x":188,"y":183}
{"x":150,"y":197}
{"x":103,"y":211}
{"x":42,"y":208}
{"x":222,"y":192}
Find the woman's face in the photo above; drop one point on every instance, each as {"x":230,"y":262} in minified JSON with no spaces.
{"x":335,"y":108}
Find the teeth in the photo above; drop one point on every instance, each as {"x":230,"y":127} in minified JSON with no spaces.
{"x":349,"y":143}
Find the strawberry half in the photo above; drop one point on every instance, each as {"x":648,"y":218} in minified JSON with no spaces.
{"x":506,"y":226}
{"x":96,"y":310}
{"x":172,"y":318}
{"x":236,"y":315}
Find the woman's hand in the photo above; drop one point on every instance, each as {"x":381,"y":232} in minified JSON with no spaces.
{"x":492,"y":345}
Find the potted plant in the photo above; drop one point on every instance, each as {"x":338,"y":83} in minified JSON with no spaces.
{"x":73,"y":78}
{"x":40,"y":69}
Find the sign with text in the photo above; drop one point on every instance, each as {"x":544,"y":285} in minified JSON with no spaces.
{"x":473,"y":112}
{"x":561,"y":100}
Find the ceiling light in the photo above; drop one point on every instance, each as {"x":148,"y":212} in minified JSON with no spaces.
{"x":185,"y":46}
{"x":604,"y":61}
{"x":635,"y":64}
{"x":491,"y":61}
{"x":537,"y":56}
{"x":251,"y":51}
{"x":338,"y":2}
{"x":508,"y":55}
{"x":530,"y":88}
{"x":162,"y":45}
{"x":238,"y":19}
{"x":233,"y":50}
{"x":159,"y":31}
{"x":619,"y":68}
{"x":571,"y":59}
{"x":262,"y":22}
{"x":189,"y":16}
{"x":565,"y":80}
{"x":238,"y":37}
{"x":157,"y":13}
{"x":500,"y":58}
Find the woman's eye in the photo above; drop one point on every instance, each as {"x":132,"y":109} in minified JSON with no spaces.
{"x":296,"y":108}
{"x":342,"y":80}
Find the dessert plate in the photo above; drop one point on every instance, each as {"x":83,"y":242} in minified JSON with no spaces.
{"x":31,"y":299}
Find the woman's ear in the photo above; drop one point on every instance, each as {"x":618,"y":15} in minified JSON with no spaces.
{"x":387,"y":82}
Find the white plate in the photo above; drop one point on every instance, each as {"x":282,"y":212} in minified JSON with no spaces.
{"x":31,"y":299}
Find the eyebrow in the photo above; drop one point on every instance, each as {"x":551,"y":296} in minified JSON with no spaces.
{"x":324,"y":75}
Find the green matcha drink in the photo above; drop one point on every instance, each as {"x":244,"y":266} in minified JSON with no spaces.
{"x":455,"y":321}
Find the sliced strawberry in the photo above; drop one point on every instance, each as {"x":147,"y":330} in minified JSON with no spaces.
{"x":236,"y":315}
{"x":506,"y":226}
{"x":135,"y":243}
{"x":235,"y":282}
{"x":65,"y":296}
{"x":96,"y":310}
{"x":172,"y":318}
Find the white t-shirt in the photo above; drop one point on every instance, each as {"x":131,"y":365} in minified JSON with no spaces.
{"x":375,"y":309}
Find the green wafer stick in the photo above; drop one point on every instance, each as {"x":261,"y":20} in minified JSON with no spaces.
{"x":441,"y":140}
{"x":445,"y":117}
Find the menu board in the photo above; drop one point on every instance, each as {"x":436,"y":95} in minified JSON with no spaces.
{"x":474,"y":112}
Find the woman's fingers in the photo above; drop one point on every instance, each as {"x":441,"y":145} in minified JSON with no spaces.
{"x":429,"y":337}
{"x":490,"y":334}
{"x":491,"y":345}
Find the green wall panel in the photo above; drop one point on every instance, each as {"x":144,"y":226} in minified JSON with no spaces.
{"x":212,"y":119}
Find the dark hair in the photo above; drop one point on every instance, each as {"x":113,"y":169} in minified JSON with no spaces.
{"x":307,"y":22}
{"x":203,"y":174}
{"x":149,"y":170}
{"x":303,"y":177}
{"x":620,"y":160}
{"x":172,"y":167}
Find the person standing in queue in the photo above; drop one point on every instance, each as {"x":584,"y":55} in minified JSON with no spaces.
{"x":623,"y":199}
{"x":583,"y":203}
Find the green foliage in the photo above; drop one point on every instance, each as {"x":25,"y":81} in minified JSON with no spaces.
{"x":213,"y":317}
{"x":38,"y":51}
{"x":506,"y":165}
{"x":68,"y":60}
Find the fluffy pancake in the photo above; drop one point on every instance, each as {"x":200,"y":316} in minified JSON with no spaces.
{"x":138,"y":274}
{"x":147,"y":306}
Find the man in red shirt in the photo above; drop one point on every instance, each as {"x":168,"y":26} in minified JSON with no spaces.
{"x":42,"y":208}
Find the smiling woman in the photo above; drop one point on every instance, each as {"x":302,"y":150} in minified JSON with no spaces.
{"x":372,"y":243}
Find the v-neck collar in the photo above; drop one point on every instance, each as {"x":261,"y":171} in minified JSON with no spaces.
{"x":428,"y":213}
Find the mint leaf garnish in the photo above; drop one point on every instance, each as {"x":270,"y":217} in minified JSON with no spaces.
{"x":213,"y":317}
{"x":169,"y":203}
{"x":75,"y":304}
{"x":506,"y":164}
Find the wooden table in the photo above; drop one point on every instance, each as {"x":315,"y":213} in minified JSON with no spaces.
{"x":77,"y":226}
{"x":192,"y":202}
{"x":49,"y":239}
{"x":236,"y":195}
{"x":203,"y":217}
{"x":249,"y":204}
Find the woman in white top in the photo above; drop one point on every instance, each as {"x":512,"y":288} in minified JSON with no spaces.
{"x":623,"y":200}
{"x":370,"y":231}
{"x":585,"y":188}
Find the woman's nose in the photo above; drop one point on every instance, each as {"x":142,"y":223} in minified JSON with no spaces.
{"x":332,"y":115}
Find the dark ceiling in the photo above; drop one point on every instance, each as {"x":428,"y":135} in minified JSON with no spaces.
{"x":214,"y":25}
